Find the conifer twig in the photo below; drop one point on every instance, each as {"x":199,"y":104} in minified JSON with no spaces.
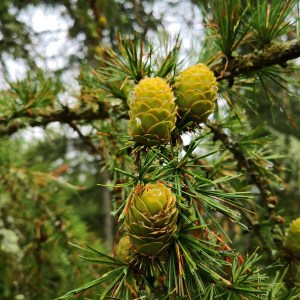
{"x":247,"y":164}
{"x":42,"y":119}
{"x":243,"y":163}
{"x":271,"y":54}
{"x":86,"y":139}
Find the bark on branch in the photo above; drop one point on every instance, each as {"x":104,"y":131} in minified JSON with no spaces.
{"x":273,"y":54}
{"x":244,"y":163}
{"x":43,"y":119}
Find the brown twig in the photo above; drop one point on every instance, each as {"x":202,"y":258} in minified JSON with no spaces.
{"x":254,"y":177}
{"x":86,"y":139}
{"x":272,"y":54}
{"x":42,"y":119}
{"x":244,"y":163}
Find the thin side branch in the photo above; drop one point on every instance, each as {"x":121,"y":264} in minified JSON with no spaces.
{"x":272,"y":54}
{"x":254,"y":177}
{"x":243,"y":163}
{"x":43,"y":119}
{"x":85,"y":138}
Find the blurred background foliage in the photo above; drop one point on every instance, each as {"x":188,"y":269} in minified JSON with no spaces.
{"x":51,"y":164}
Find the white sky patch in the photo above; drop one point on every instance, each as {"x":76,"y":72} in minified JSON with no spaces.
{"x":51,"y":45}
{"x":184,"y":18}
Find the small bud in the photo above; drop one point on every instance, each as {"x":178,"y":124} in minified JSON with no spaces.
{"x":292,"y":240}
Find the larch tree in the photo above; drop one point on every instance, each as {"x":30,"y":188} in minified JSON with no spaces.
{"x":188,"y":154}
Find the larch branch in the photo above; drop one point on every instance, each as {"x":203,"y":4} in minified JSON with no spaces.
{"x":42,"y":119}
{"x":243,"y":163}
{"x":272,"y":54}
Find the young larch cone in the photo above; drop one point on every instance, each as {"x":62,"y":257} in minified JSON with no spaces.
{"x":151,"y":219}
{"x":195,"y":91}
{"x":123,"y":248}
{"x":292,"y":240}
{"x":152,"y":112}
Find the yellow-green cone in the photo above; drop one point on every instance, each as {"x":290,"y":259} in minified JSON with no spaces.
{"x":151,"y":219}
{"x":152,"y":112}
{"x":123,"y":248}
{"x":292,"y":240}
{"x":195,"y":91}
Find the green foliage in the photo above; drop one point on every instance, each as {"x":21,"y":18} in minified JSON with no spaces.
{"x":37,"y":92}
{"x":236,"y":26}
{"x":137,"y":60}
{"x":36,"y":225}
{"x":231,"y":27}
{"x":270,"y":19}
{"x":206,"y":197}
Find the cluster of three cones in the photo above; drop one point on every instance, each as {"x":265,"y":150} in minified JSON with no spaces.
{"x":151,"y":219}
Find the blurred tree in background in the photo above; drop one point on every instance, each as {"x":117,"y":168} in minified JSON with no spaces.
{"x":66,"y":130}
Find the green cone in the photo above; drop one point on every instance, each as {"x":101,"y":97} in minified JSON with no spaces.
{"x":152,"y":112}
{"x":292,"y":240}
{"x":123,"y":248}
{"x":195,"y":90}
{"x":151,"y":219}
